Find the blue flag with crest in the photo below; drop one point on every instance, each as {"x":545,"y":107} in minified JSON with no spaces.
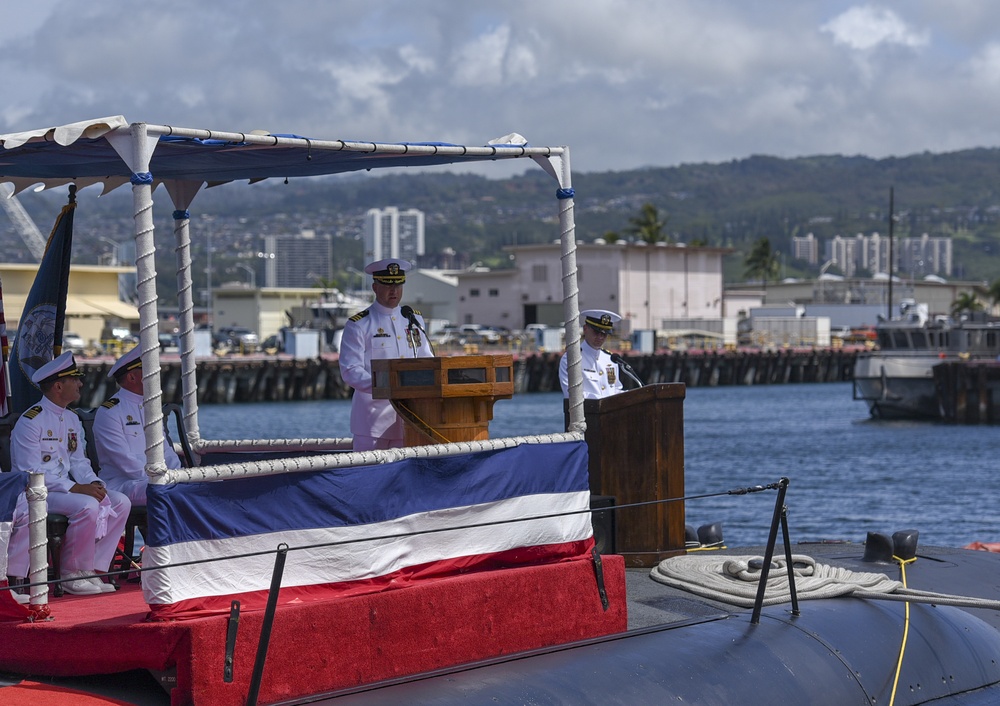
{"x":40,"y":328}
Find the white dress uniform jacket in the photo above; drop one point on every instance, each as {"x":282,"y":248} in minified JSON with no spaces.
{"x":601,"y":376}
{"x":376,"y":333}
{"x":121,"y":445}
{"x":48,"y":438}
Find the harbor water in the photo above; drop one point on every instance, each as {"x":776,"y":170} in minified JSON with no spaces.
{"x":848,"y":474}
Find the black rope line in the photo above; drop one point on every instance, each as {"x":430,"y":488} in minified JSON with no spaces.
{"x":404,"y":535}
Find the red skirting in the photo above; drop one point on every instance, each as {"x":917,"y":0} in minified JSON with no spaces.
{"x":419,"y":573}
{"x":327,"y":645}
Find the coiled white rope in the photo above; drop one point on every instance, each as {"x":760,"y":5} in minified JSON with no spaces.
{"x":734,"y":580}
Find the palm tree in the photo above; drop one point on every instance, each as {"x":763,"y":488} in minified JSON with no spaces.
{"x":994,"y":293}
{"x":966,"y":302}
{"x":326,"y":284}
{"x":648,"y":225}
{"x":761,"y":262}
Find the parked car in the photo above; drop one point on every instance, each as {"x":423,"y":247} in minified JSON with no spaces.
{"x":236,"y":338}
{"x":480,"y":334}
{"x":448,"y":334}
{"x":73,"y":342}
{"x":124,"y":336}
{"x":272,"y":345}
{"x":169,"y":342}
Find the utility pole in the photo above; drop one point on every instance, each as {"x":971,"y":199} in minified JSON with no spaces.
{"x":891,"y":219}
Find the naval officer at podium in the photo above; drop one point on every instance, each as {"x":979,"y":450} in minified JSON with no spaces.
{"x":382,"y":330}
{"x":601,"y":375}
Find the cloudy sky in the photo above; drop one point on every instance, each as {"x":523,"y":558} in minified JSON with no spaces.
{"x":624,"y":83}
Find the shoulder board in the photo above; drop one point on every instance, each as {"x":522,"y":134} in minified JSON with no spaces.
{"x":360,"y":315}
{"x":417,"y":312}
{"x":605,"y":350}
{"x":33,"y":412}
{"x":70,"y":409}
{"x":110,"y":403}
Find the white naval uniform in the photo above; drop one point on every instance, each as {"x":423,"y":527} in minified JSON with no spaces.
{"x":121,"y":445}
{"x":376,"y":333}
{"x":18,"y":540}
{"x":601,"y":376}
{"x":48,"y":438}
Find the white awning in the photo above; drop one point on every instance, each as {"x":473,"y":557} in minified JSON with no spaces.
{"x":97,"y":151}
{"x":76,"y":307}
{"x":100,"y":306}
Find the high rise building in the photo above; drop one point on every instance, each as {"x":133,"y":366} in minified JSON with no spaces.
{"x":390,"y":232}
{"x":915,"y":257}
{"x":806,"y":248}
{"x":296,"y":260}
{"x":844,"y":253}
{"x":925,"y":255}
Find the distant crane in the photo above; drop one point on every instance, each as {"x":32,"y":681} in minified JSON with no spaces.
{"x":26,"y":227}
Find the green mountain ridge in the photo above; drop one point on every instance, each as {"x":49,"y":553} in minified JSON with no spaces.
{"x":729,"y":204}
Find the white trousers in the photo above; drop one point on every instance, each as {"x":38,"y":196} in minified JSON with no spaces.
{"x":134,"y":490}
{"x":81,"y":550}
{"x":17,"y":550}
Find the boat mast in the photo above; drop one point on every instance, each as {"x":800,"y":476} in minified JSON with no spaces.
{"x":891,"y":219}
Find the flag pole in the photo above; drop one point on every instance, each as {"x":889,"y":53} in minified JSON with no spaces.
{"x":4,"y":354}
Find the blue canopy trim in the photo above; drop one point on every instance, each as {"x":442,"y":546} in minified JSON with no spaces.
{"x":233,"y":156}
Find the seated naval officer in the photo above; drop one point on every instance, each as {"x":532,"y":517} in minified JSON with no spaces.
{"x":48,"y":438}
{"x":601,"y":375}
{"x":380,"y":331}
{"x":119,"y":435}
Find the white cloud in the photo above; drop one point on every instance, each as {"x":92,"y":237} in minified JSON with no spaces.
{"x":866,"y":27}
{"x":985,"y":67}
{"x":414,"y":58}
{"x":685,"y":80}
{"x":493,"y":59}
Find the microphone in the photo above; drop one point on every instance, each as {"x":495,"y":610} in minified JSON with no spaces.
{"x":626,"y":368}
{"x":407,"y":311}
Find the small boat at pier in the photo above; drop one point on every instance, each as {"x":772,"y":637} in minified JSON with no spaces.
{"x":896,"y":379}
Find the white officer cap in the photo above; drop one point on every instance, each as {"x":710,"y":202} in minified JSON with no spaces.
{"x":129,"y":361}
{"x":389,"y":271}
{"x":600,"y":319}
{"x":62,"y":366}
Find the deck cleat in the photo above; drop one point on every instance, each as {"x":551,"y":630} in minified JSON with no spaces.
{"x":904,"y":544}
{"x":878,"y":548}
{"x":710,"y":535}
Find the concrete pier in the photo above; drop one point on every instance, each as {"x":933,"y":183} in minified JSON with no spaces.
{"x":968,"y":391}
{"x":268,"y":378}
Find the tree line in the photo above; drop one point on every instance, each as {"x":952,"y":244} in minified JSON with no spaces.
{"x":730,"y":204}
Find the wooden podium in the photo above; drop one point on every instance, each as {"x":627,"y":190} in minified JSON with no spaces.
{"x":444,"y":399}
{"x":636,"y":444}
